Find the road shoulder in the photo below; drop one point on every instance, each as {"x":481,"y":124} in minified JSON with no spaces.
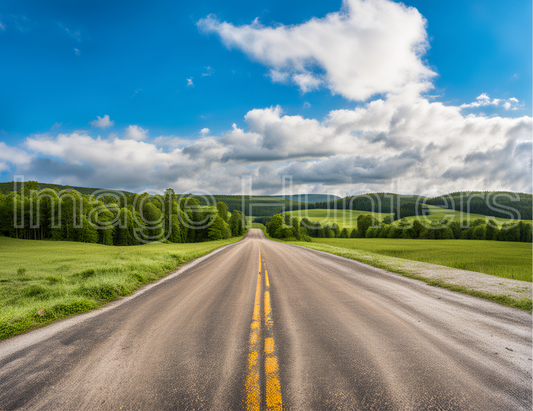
{"x":505,"y":291}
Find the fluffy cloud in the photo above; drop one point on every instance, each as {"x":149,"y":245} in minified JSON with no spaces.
{"x":13,"y":154}
{"x":135,"y":133}
{"x":102,"y":122}
{"x":367,"y":48}
{"x":484,"y":100}
{"x":419,"y":147}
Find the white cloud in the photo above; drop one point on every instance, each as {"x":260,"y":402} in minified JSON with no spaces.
{"x":278,"y":76}
{"x":13,"y":155}
{"x":484,"y":100}
{"x":307,"y":81}
{"x":78,"y":53}
{"x":204,"y":131}
{"x":431,"y":147}
{"x":209,"y":71}
{"x":189,"y":82}
{"x":367,"y":48}
{"x":134,"y":132}
{"x":307,"y":104}
{"x":102,"y":122}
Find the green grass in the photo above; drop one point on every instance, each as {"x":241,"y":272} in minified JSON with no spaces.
{"x":65,"y":278}
{"x":437,"y":214}
{"x":498,"y":258}
{"x":348,"y":218}
{"x":343,"y":218}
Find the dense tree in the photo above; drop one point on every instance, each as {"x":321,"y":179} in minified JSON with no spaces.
{"x":222,"y":211}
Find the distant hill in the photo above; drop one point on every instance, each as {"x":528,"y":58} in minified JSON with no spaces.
{"x":489,"y":203}
{"x":261,"y":205}
{"x":6,"y":188}
{"x":310,"y":198}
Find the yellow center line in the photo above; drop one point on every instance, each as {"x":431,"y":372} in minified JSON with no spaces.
{"x":273,"y":385}
{"x":253,"y":389}
{"x":272,"y":382}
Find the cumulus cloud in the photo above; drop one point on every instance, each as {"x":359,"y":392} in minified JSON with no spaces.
{"x":102,"y":122}
{"x":189,"y":82}
{"x":484,"y":100}
{"x":367,"y":48}
{"x":421,"y":147}
{"x":134,"y":132}
{"x":204,"y":131}
{"x":15,"y":155}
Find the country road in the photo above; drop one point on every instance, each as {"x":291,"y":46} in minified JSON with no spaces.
{"x":265,"y":325}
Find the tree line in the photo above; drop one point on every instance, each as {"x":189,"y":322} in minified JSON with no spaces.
{"x":495,"y":204}
{"x":283,"y":226}
{"x":398,"y":205}
{"x":113,"y":219}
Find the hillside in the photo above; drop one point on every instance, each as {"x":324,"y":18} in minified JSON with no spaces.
{"x":503,"y":204}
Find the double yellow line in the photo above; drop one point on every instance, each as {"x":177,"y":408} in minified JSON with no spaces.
{"x":273,"y":399}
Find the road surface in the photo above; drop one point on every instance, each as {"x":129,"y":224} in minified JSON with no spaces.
{"x":266,"y":325}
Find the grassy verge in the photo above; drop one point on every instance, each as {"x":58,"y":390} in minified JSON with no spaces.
{"x":65,"y":278}
{"x":388,"y":263}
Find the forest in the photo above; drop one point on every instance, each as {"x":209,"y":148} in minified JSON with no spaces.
{"x":113,"y":219}
{"x":283,"y":226}
{"x":495,"y":204}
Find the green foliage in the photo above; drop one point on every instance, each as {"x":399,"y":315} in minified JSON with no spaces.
{"x":120,"y":219}
{"x":222,"y":211}
{"x":236,"y":223}
{"x":494,"y":204}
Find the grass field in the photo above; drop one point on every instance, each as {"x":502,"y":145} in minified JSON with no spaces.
{"x":66,"y":278}
{"x":343,"y":218}
{"x":499,"y":258}
{"x":348,"y":218}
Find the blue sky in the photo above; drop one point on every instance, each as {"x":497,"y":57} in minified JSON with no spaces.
{"x":66,"y":63}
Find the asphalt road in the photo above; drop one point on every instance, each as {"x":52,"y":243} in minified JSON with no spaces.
{"x":261,"y":324}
